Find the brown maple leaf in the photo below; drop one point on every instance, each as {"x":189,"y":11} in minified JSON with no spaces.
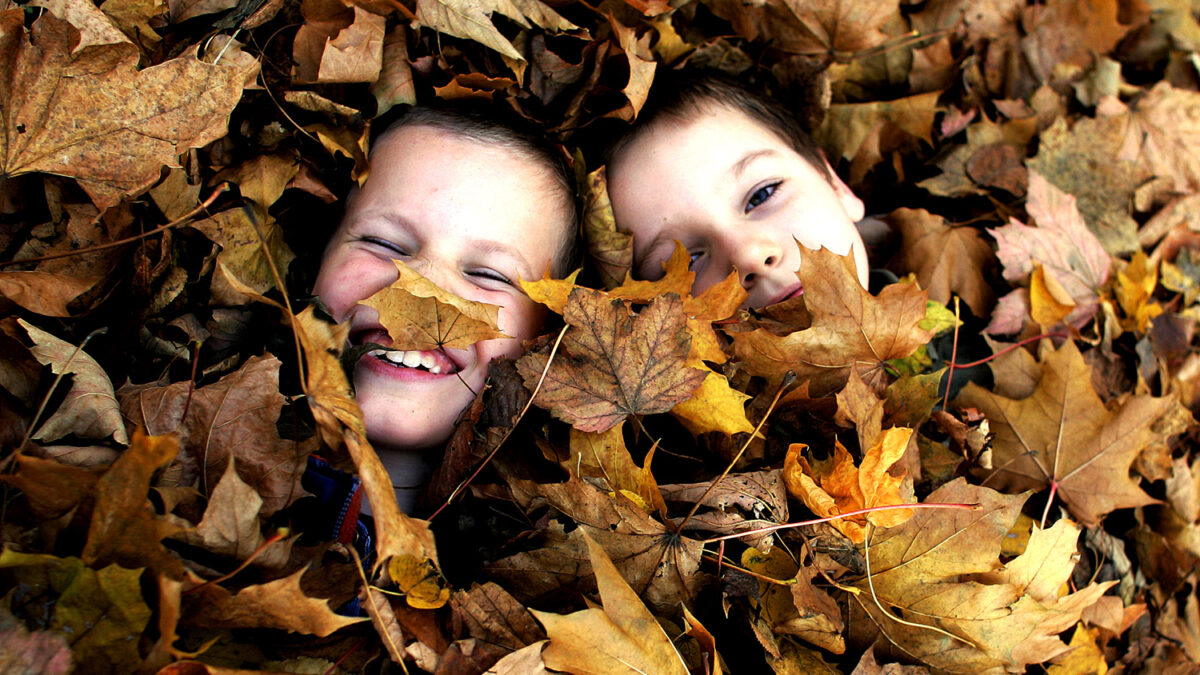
{"x":90,"y":114}
{"x":851,"y":329}
{"x":281,"y":604}
{"x":622,"y":637}
{"x":611,"y":250}
{"x":1063,"y":437}
{"x":339,"y":42}
{"x":614,"y":363}
{"x":823,"y":27}
{"x":947,"y":260}
{"x":965,"y":611}
{"x":420,"y":315}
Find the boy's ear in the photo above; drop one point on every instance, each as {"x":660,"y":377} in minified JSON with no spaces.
{"x":850,"y":201}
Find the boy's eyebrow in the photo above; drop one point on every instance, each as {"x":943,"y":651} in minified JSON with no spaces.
{"x":739,"y":167}
{"x":490,"y":247}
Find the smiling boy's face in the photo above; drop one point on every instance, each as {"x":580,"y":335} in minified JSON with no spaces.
{"x":736,"y":195}
{"x":472,"y":218}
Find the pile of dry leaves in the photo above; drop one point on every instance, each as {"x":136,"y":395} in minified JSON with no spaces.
{"x":986,"y":465}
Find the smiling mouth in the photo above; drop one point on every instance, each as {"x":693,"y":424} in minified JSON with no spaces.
{"x":415,"y":360}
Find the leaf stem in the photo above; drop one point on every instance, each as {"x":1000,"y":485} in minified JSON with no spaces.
{"x":279,"y":534}
{"x":839,"y":516}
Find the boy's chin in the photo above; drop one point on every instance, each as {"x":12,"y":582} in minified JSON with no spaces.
{"x":410,"y":418}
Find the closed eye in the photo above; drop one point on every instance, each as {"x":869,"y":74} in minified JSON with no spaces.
{"x":399,"y":251}
{"x":761,"y":195}
{"x":490,"y":275}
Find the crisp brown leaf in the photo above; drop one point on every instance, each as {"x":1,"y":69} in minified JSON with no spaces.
{"x":623,"y":637}
{"x":1063,"y":437}
{"x":234,"y":416}
{"x":395,"y":84}
{"x":24,"y":652}
{"x":611,"y":250}
{"x":147,"y":117}
{"x":89,"y":409}
{"x":420,"y":315}
{"x":851,"y":329}
{"x":740,"y":502}
{"x":614,"y":363}
{"x":242,"y":254}
{"x":795,"y":608}
{"x":496,"y":617}
{"x":339,"y":42}
{"x":124,"y":528}
{"x":279,"y":604}
{"x":866,"y":133}
{"x":947,"y":260}
{"x":1161,"y":130}
{"x":822,"y":27}
{"x":52,"y":489}
{"x":471,"y":19}
{"x":603,"y":458}
{"x":230,"y":526}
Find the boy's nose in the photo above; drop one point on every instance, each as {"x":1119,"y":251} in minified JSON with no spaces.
{"x":755,"y":256}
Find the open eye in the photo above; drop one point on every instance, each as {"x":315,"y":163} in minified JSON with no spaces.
{"x":761,"y":195}
{"x":694,"y":256}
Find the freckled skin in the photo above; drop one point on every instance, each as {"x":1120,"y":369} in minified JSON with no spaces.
{"x":736,"y":195}
{"x":465,"y":215}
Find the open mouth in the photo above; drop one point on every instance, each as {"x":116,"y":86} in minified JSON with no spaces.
{"x":432,"y":362}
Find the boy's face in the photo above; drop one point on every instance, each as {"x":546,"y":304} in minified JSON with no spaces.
{"x":736,"y":195}
{"x":470,"y":217}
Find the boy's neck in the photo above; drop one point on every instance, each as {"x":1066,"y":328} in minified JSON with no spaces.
{"x":409,"y":471}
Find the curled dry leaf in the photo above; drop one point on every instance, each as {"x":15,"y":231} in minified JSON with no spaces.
{"x":42,"y":292}
{"x":623,"y":637}
{"x":420,"y":315}
{"x":147,"y":117}
{"x":90,"y":408}
{"x":1063,"y":437}
{"x":472,"y":19}
{"x":280,"y":604}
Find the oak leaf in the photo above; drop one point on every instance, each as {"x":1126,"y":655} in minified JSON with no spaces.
{"x":947,"y":260}
{"x":420,"y":315}
{"x":1063,"y":437}
{"x":90,"y":408}
{"x":614,"y":363}
{"x":623,"y":637}
{"x":280,"y":604}
{"x":147,"y":118}
{"x":1061,"y":243}
{"x":234,"y":416}
{"x":851,"y":329}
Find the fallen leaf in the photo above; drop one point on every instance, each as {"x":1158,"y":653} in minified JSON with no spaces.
{"x":102,"y":609}
{"x":603,"y":457}
{"x":24,"y":652}
{"x":623,"y":637}
{"x":1160,"y":130}
{"x":472,"y":20}
{"x":1135,"y":293}
{"x":94,"y":27}
{"x":243,"y":239}
{"x":182,"y":10}
{"x":864,"y":133}
{"x":851,"y":329}
{"x":610,"y":250}
{"x":740,"y":502}
{"x":1049,"y":302}
{"x":230,"y":526}
{"x":339,"y":42}
{"x":614,"y":363}
{"x":496,"y":617}
{"x":420,"y":315}
{"x":947,"y":260}
{"x":524,"y":661}
{"x":262,"y":180}
{"x":1069,"y":31}
{"x":984,"y":136}
{"x":815,"y":28}
{"x":51,"y":488}
{"x":124,"y":527}
{"x":641,"y":67}
{"x":280,"y":604}
{"x":89,"y":409}
{"x":394,"y":86}
{"x":1062,"y":243}
{"x":234,"y":416}
{"x":796,"y":607}
{"x":1085,"y":657}
{"x":844,"y":487}
{"x":1062,"y":437}
{"x":149,"y":116}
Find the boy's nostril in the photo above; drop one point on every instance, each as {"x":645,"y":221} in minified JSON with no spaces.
{"x":770,"y":260}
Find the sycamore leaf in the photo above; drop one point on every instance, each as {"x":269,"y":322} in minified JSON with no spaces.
{"x":420,"y":315}
{"x":90,"y":408}
{"x":124,"y":528}
{"x":623,"y":637}
{"x":280,"y":604}
{"x":1161,"y":131}
{"x":603,"y":457}
{"x":844,"y":487}
{"x":234,"y":416}
{"x":714,"y":406}
{"x":93,"y":116}
{"x":851,"y":329}
{"x":947,"y":260}
{"x":1061,"y":243}
{"x":472,"y":20}
{"x":614,"y":363}
{"x":1063,"y":437}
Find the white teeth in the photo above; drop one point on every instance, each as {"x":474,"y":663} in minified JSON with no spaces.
{"x":408,"y":359}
